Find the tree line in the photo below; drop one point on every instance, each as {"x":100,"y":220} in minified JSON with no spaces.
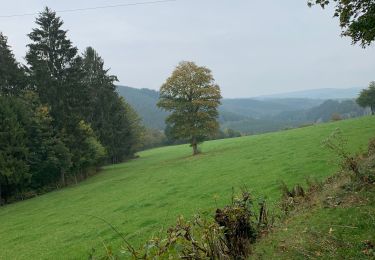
{"x":60,"y":115}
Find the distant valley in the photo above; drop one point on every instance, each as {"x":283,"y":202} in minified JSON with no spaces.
{"x":260,"y":114}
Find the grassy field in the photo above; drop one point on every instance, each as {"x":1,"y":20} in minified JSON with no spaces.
{"x":140,"y":196}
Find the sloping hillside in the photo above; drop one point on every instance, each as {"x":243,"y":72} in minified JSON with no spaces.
{"x":144,"y":102}
{"x":266,"y":108}
{"x":141,"y":196}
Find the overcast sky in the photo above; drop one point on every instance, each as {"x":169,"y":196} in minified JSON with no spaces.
{"x":253,"y":47}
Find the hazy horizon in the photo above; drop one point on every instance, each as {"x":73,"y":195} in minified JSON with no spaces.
{"x":269,"y":95}
{"x":253,"y":48}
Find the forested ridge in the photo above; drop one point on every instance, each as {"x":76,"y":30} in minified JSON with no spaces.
{"x":60,"y":115}
{"x":251,"y":115}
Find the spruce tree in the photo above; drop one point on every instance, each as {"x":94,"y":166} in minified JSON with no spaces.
{"x":114,"y":122}
{"x":57,"y":74}
{"x":55,"y":69}
{"x":12,"y":77}
{"x":127,"y":131}
{"x":14,"y":152}
{"x":100,"y":89}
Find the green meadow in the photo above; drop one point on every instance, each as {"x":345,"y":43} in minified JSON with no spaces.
{"x":142,"y":196}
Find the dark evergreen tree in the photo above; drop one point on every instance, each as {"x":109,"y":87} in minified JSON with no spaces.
{"x":14,"y":152}
{"x":100,"y":86}
{"x":60,"y":115}
{"x":49,"y":158}
{"x":128,"y":130}
{"x":55,"y":70}
{"x":114,"y":122}
{"x":57,"y":73}
{"x":12,"y":77}
{"x":101,"y":91}
{"x":122,"y":132}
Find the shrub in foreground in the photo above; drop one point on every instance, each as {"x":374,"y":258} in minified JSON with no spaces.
{"x":229,"y":235}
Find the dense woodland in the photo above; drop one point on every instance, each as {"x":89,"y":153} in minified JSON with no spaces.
{"x":60,"y":115}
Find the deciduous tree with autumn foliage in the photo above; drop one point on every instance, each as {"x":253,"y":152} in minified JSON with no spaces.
{"x":192,"y":97}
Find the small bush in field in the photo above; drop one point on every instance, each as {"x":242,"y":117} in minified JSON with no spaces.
{"x":239,"y":227}
{"x":290,"y":198}
{"x":371,"y":147}
{"x":337,"y":143}
{"x":229,"y":235}
{"x":336,"y":117}
{"x":361,"y":167}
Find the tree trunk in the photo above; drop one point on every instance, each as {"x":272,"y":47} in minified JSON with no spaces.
{"x":195,"y":146}
{"x":372,"y":110}
{"x":1,"y":198}
{"x":63,"y":178}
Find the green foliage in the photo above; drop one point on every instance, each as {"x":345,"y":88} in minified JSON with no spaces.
{"x":367,"y":97}
{"x":62,"y":79}
{"x":49,"y":157}
{"x":54,"y":69}
{"x":85,"y":148}
{"x":30,"y":144}
{"x":126,"y":130}
{"x":113,"y":120}
{"x":12,"y":77}
{"x":192,"y":97}
{"x":356,"y":18}
{"x":153,"y":138}
{"x":56,"y":74}
{"x":14,"y":151}
{"x":63,"y":119}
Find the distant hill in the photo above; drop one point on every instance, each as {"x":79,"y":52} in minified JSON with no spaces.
{"x":323,"y":93}
{"x":250,"y":115}
{"x":144,"y":102}
{"x":291,"y":119}
{"x":260,"y":108}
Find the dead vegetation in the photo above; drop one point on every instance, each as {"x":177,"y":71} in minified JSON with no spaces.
{"x":228,"y":235}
